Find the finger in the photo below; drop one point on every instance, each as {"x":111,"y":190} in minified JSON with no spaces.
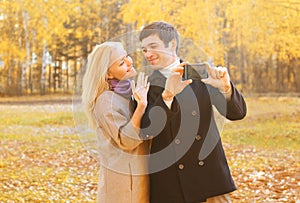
{"x":148,"y":86}
{"x":178,"y":69}
{"x":146,"y":81}
{"x":225,"y":71}
{"x":183,"y":64}
{"x":189,"y":81}
{"x":206,"y":81}
{"x":175,"y":73}
{"x":217,"y":70}
{"x":132,"y":86}
{"x":139,"y":80}
{"x":211,"y":70}
{"x":143,"y":79}
{"x":222,"y":72}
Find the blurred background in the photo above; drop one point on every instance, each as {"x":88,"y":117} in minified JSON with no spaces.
{"x":44,"y":43}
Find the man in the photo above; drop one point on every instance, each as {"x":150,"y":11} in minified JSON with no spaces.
{"x":187,"y":162}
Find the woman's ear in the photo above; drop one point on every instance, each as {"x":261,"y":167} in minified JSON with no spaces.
{"x":109,"y":75}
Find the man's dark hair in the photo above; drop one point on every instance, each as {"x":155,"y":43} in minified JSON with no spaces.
{"x":165,"y":31}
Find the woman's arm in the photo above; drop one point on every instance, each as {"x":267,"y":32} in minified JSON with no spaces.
{"x":140,"y":91}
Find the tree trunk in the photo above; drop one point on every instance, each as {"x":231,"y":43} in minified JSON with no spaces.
{"x":43,"y":71}
{"x":27,"y":48}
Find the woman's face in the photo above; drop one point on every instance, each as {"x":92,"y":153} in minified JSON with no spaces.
{"x":121,"y":67}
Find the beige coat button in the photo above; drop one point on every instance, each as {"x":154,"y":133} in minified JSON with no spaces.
{"x":177,"y":141}
{"x":194,"y":113}
{"x":201,"y":163}
{"x":198,"y":137}
{"x":180,"y":166}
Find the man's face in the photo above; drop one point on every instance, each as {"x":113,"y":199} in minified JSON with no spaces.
{"x":156,"y":53}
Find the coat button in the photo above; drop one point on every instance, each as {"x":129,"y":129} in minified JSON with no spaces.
{"x":200,"y":163}
{"x":180,"y":166}
{"x":198,"y":137}
{"x":194,"y":113}
{"x":177,"y":141}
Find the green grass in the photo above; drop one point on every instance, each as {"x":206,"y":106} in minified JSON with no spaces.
{"x":36,"y":118}
{"x":272,"y":123}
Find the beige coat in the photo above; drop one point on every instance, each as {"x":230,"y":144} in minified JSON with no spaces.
{"x":123,"y":155}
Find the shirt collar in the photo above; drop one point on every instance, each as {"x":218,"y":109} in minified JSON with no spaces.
{"x":167,"y":71}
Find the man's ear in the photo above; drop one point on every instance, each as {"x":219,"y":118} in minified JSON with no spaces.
{"x":173,"y":44}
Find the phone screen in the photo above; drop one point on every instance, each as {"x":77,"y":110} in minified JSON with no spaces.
{"x":196,"y":71}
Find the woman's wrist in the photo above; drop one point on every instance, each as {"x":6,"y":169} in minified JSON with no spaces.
{"x":141,"y":107}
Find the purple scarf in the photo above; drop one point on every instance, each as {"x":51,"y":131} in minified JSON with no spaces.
{"x":121,"y":87}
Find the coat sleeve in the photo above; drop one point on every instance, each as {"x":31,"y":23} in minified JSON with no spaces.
{"x":116,"y":125}
{"x":236,"y":105}
{"x":234,"y":108}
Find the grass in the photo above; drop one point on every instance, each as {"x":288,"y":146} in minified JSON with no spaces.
{"x":28,"y":116}
{"x":272,"y":123}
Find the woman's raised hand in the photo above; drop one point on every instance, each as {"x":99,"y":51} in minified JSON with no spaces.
{"x":140,"y":89}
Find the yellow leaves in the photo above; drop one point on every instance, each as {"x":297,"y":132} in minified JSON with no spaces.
{"x":262,"y":175}
{"x":46,"y":163}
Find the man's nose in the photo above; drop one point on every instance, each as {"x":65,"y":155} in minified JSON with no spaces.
{"x":148,"y":53}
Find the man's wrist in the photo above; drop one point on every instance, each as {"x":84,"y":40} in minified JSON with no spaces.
{"x":167,"y":95}
{"x":227,"y":92}
{"x":225,"y":89}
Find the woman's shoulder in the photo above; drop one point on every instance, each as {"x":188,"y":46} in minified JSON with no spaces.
{"x":109,"y":97}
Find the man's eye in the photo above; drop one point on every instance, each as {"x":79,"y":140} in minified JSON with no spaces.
{"x":153,"y":47}
{"x":144,"y":50}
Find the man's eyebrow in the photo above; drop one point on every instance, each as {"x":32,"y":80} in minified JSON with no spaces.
{"x":152,"y":43}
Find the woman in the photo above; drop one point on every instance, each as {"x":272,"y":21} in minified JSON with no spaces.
{"x":106,"y":96}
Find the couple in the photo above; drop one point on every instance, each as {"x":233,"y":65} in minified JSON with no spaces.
{"x":124,"y":116}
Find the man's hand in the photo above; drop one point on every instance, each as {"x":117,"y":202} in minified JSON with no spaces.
{"x":175,"y":84}
{"x":218,"y":77}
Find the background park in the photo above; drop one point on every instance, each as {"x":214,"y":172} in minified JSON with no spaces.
{"x":44,"y":45}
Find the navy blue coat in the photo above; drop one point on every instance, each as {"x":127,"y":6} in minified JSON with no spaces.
{"x":187,"y":162}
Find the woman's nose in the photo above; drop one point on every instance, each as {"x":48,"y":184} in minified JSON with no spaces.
{"x":128,"y":60}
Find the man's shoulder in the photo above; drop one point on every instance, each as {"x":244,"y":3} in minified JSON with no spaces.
{"x":157,"y":79}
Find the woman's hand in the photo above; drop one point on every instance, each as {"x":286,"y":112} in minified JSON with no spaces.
{"x":140,"y":90}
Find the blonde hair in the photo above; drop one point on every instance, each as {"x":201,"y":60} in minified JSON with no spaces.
{"x":94,"y":79}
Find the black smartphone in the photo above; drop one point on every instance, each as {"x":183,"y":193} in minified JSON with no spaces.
{"x":196,"y":71}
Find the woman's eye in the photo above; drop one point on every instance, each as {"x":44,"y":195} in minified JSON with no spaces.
{"x":123,"y":61}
